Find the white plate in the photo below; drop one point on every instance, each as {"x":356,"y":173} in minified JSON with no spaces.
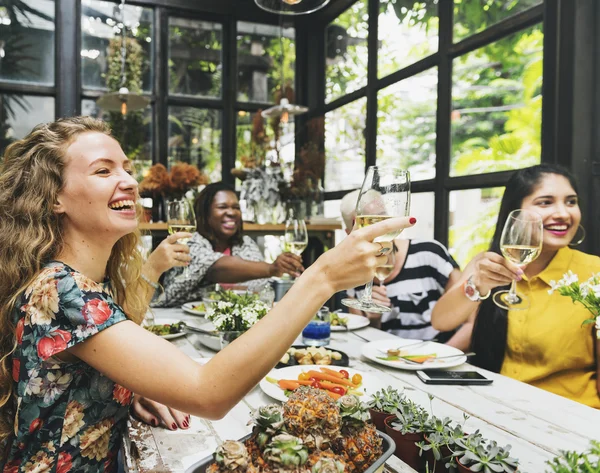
{"x":188,"y":308}
{"x":354,"y":322}
{"x":170,"y":336}
{"x":370,"y":384}
{"x":376,"y":350}
{"x":211,"y":341}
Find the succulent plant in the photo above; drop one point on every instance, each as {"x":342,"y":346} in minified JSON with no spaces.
{"x":352,"y":410}
{"x":410,"y":418}
{"x":232,"y":456}
{"x":486,"y":457}
{"x":577,"y":462}
{"x":328,"y":465}
{"x":286,"y":452}
{"x":269,"y":422}
{"x":386,"y":400}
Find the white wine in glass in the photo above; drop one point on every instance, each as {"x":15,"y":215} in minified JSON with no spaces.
{"x":520,"y":243}
{"x":181,"y":218}
{"x":295,"y":236}
{"x":385,"y":193}
{"x":382,"y":272}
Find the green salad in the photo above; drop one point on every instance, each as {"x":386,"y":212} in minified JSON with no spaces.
{"x":166,"y":329}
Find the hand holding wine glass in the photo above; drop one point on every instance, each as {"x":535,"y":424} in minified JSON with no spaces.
{"x":385,"y":193}
{"x":520,"y":243}
{"x":382,"y":272}
{"x":181,"y":218}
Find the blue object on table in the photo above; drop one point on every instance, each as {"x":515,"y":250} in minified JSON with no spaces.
{"x":318,"y":331}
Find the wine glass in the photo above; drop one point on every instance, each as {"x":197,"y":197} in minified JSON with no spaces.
{"x":385,"y":193}
{"x":385,"y":270}
{"x":295,"y":237}
{"x":181,"y":218}
{"x":520,"y":243}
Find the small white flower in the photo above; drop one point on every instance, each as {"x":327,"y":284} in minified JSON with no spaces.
{"x":569,"y":278}
{"x":222,"y":305}
{"x":595,"y":289}
{"x":553,"y":286}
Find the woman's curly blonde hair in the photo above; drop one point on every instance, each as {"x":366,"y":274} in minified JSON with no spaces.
{"x":31,"y":178}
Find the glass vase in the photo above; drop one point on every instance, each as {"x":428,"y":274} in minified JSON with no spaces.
{"x":226,"y":337}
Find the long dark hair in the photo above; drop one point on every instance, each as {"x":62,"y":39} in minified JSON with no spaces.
{"x":202,"y":207}
{"x":490,"y":330}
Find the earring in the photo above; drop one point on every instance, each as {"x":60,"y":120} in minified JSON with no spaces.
{"x":580,"y":241}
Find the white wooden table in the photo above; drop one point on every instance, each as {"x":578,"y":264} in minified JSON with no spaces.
{"x":536,"y":423}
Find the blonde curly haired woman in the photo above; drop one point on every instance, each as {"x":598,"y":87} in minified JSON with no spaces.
{"x":72,"y":296}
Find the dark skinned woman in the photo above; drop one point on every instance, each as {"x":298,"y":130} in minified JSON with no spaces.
{"x":220,"y":253}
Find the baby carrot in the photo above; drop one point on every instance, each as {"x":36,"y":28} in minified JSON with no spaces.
{"x":333,"y":395}
{"x":337,"y":374}
{"x":333,"y":379}
{"x":288,"y":384}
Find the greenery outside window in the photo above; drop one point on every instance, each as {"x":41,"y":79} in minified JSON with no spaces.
{"x":101,"y":37}
{"x":195,"y":138}
{"x":259,"y":61}
{"x":497,"y":105}
{"x":347,"y":52}
{"x":407,"y":33}
{"x":195,"y":57}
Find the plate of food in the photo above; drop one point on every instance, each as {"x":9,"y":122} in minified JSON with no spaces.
{"x":409,"y":354}
{"x":194,"y":308}
{"x":279,"y":383}
{"x":341,"y":322}
{"x":306,"y":355}
{"x":167,"y":328}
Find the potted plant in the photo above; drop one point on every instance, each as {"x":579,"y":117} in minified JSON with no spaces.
{"x":438,"y":443}
{"x":383,"y":404}
{"x":406,"y":426}
{"x":233,"y":314}
{"x":476,"y":454}
{"x":575,"y":462}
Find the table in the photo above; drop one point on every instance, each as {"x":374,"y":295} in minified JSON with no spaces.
{"x":536,"y":423}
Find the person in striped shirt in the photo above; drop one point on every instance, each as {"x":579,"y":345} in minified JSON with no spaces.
{"x":423,"y":271}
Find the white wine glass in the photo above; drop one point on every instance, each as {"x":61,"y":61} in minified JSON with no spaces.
{"x":383,"y":271}
{"x":295,"y":236}
{"x":181,"y":218}
{"x":385,"y":193}
{"x":520,"y":243}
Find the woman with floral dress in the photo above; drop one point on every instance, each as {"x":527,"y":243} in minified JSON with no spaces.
{"x":73,"y":291}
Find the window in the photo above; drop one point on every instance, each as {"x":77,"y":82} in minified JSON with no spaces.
{"x":195,"y":138}
{"x":27,"y":41}
{"x":345,"y":146}
{"x":497,"y":105}
{"x":422,"y":205}
{"x":101,"y":41}
{"x":406,"y":120}
{"x":473,"y":16}
{"x":347,"y":52}
{"x":20,"y":113}
{"x":264,"y":53}
{"x":405,"y":35}
{"x":195,"y":57}
{"x":473,"y":215}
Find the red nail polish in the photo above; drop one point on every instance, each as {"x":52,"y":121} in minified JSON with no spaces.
{"x":185,"y":424}
{"x":174,"y":426}
{"x":413,"y":220}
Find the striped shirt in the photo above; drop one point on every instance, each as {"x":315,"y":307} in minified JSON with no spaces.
{"x":416,"y":289}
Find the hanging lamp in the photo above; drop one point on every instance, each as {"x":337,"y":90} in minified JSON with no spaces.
{"x":122,"y":101}
{"x":291,"y":7}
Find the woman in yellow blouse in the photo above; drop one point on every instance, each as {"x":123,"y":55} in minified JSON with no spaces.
{"x":544,"y":345}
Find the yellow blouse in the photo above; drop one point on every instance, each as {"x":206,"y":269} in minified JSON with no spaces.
{"x":546,"y":345}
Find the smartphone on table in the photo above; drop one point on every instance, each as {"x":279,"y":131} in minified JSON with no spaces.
{"x":452,"y":377}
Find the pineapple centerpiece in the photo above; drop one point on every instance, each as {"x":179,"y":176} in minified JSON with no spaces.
{"x":310,"y":433}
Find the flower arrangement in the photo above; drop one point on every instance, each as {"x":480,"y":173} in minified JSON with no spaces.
{"x":236,"y":312}
{"x":182,"y":178}
{"x":586,"y":293}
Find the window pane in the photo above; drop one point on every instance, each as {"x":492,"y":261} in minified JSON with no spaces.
{"x":406,"y":119}
{"x":258,"y":141}
{"x":195,"y":138}
{"x":259,"y":61}
{"x":497,"y":105}
{"x":471,"y":231}
{"x":101,"y":38}
{"x":20,"y":113}
{"x":422,"y":206}
{"x":134,"y":132}
{"x":345,"y":146}
{"x":405,"y":35}
{"x":346,"y":61}
{"x":27,"y":41}
{"x":472,"y":16}
{"x":195,"y":62}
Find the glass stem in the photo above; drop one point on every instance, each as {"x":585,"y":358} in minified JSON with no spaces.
{"x":512,"y":293}
{"x":368,"y":291}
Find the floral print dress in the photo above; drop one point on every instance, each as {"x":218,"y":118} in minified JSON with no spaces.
{"x":69,"y":417}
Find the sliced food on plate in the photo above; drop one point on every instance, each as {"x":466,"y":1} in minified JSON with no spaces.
{"x":166,"y":329}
